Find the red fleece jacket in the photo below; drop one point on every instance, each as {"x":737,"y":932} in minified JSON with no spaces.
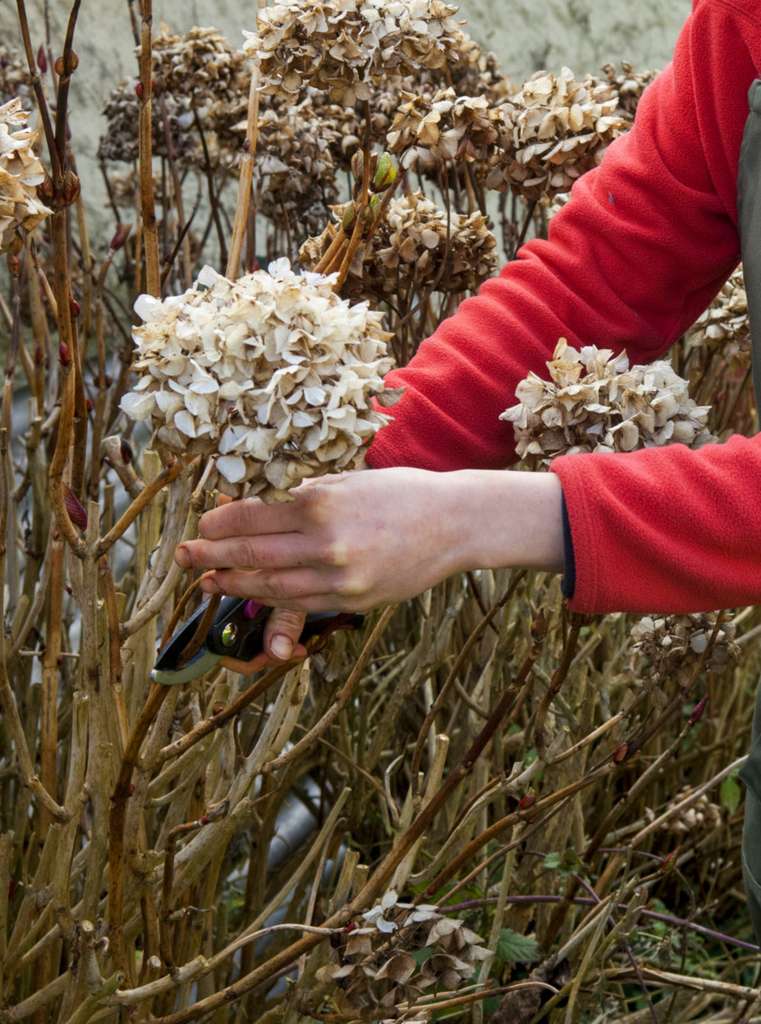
{"x":641,"y":249}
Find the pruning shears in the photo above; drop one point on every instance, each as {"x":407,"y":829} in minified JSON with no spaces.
{"x":235,"y":636}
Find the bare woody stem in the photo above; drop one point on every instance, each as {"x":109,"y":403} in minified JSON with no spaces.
{"x":147,"y":197}
{"x":245,"y":182}
{"x":143,"y":499}
{"x":156,"y":697}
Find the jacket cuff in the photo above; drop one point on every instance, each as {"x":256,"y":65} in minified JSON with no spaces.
{"x":582,"y":588}
{"x":569,"y":576}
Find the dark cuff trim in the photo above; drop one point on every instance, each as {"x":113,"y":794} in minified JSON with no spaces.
{"x":569,"y":577}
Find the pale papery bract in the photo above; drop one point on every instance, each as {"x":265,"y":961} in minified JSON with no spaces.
{"x":434,"y":129}
{"x":378,"y":964}
{"x":272,"y":374}
{"x":594,"y":401}
{"x":344,"y":46}
{"x":668,"y":645}
{"x":629,"y":83}
{"x":555,"y":128}
{"x":725,"y":325}
{"x":447,"y":255}
{"x":20,"y":174}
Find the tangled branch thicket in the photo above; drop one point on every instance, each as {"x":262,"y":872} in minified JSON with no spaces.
{"x":479,"y":806}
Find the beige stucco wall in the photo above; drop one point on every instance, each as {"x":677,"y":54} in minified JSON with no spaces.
{"x":525,"y":34}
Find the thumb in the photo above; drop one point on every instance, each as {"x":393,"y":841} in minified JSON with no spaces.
{"x":282,"y":632}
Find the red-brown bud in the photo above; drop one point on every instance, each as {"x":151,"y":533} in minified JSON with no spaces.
{"x":668,"y":861}
{"x":71,"y":187}
{"x":526,"y":801}
{"x":139,"y":90}
{"x":39,"y":356}
{"x":74,"y":307}
{"x":75,"y":508}
{"x":621,"y":753}
{"x":42,"y":60}
{"x":64,"y":355}
{"x":46,"y":191}
{"x":120,"y":236}
{"x":67,"y":67}
{"x":88,"y":404}
{"x":126,"y":452}
{"x":697,"y":711}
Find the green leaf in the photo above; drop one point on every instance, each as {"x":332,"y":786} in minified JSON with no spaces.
{"x":513,"y":948}
{"x":552,"y":861}
{"x":421,"y":955}
{"x":730,"y":794}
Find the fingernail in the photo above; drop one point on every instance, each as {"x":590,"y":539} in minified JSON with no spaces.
{"x":182,"y":557}
{"x":281,"y":647}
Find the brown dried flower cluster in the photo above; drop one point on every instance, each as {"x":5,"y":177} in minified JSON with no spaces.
{"x":595,"y":402}
{"x":20,"y":174}
{"x":295,"y":171}
{"x":170,"y":115}
{"x":629,"y":84}
{"x":725,"y":324}
{"x":377,"y":967}
{"x":273,"y":373}
{"x":14,"y":77}
{"x":413,"y":239}
{"x":200,"y":64}
{"x":345,"y":46}
{"x":196,"y":71}
{"x":479,"y":74}
{"x":435,"y":128}
{"x":673,"y":645}
{"x":702,"y":815}
{"x":555,"y":129}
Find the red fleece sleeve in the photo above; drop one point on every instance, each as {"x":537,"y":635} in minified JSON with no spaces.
{"x":666,"y":529}
{"x":640,"y":250}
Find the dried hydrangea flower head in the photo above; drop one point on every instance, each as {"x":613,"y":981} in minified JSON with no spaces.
{"x":199,"y":64}
{"x":629,"y":84}
{"x":413,"y":239}
{"x":377,"y":968}
{"x":435,"y":128}
{"x":595,"y":402}
{"x":273,"y":374}
{"x":295,"y":169}
{"x":482,"y":76}
{"x":120,"y":143}
{"x":672,"y":646}
{"x":344,"y":46}
{"x":725,"y":324}
{"x":555,"y":129}
{"x":20,"y":174}
{"x":14,"y":77}
{"x":701,"y":816}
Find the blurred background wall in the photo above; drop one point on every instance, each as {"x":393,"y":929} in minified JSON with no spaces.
{"x":525,"y":35}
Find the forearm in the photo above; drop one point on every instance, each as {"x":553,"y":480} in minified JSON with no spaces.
{"x":506,"y":519}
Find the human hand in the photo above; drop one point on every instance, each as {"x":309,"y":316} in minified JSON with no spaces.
{"x":356,"y":540}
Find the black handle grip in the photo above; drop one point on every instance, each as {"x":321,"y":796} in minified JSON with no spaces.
{"x":238,"y":631}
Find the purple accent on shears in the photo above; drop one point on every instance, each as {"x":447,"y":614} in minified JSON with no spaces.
{"x":252,"y":609}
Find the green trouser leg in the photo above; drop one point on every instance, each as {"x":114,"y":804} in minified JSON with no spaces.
{"x":749,"y":223}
